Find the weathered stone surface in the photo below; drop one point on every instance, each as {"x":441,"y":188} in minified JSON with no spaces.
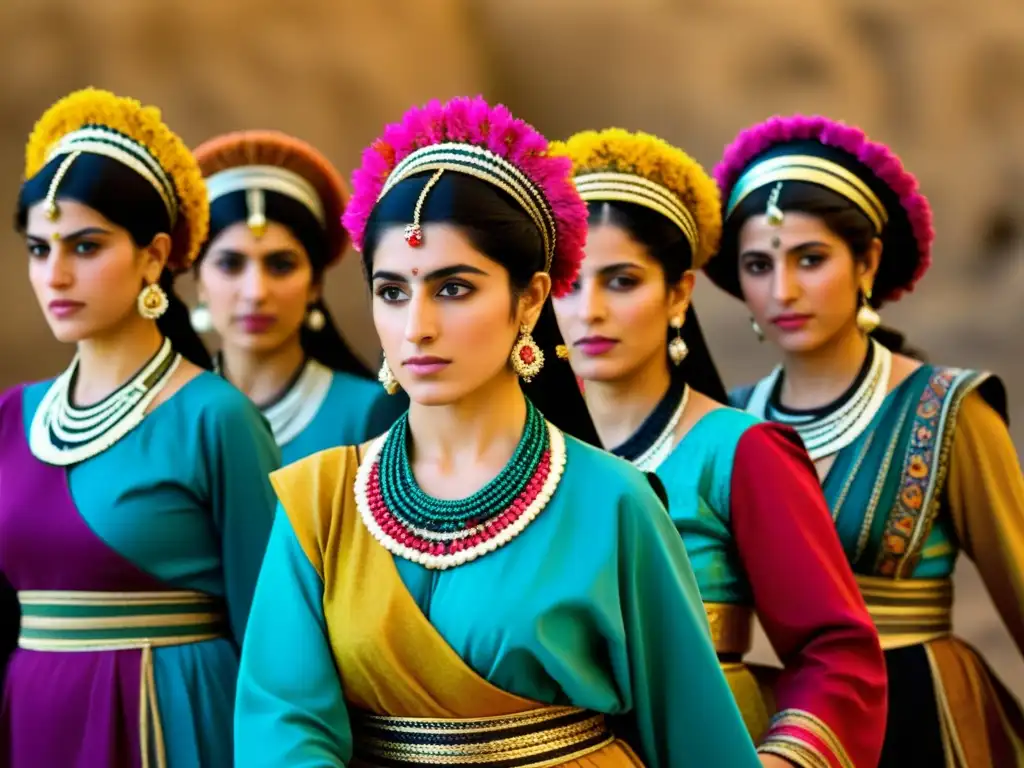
{"x":941,"y":80}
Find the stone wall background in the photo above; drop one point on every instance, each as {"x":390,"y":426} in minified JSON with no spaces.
{"x":941,"y":80}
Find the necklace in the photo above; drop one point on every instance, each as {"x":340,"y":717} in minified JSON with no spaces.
{"x":827,"y":430}
{"x":654,"y":440}
{"x":440,"y":533}
{"x":291,"y":412}
{"x":62,"y":433}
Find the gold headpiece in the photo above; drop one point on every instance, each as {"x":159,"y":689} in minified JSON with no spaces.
{"x":92,"y":121}
{"x":814,"y":170}
{"x":638,"y":168}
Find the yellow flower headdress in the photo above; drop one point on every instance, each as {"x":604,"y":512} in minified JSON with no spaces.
{"x":93,"y":121}
{"x":638,"y":168}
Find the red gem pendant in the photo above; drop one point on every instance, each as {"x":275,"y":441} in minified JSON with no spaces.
{"x":413,"y":235}
{"x":526,"y":354}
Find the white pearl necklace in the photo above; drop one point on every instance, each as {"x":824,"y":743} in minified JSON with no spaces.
{"x":62,"y":434}
{"x":662,"y":448}
{"x":556,"y":448}
{"x":827,"y":435}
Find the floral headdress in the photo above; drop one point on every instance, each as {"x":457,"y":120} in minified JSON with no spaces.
{"x":92,"y":121}
{"x":256,"y":162}
{"x":638,"y":168}
{"x":843,"y":159}
{"x":469,"y":136}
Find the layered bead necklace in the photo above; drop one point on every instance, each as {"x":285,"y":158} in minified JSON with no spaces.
{"x":63,"y":433}
{"x":298,"y":404}
{"x":654,"y":441}
{"x":440,"y":533}
{"x":827,"y":430}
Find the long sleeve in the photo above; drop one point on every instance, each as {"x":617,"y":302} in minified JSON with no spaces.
{"x":986,"y":498}
{"x":683,"y":711}
{"x":244,"y":455}
{"x":289,"y":709}
{"x":831,"y":695}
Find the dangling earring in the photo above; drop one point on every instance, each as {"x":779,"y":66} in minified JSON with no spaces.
{"x":867,"y":318}
{"x":757,"y":329}
{"x":200,"y":318}
{"x":152,"y":302}
{"x":562,"y":352}
{"x":677,"y":349}
{"x":527,"y":358}
{"x":387,"y":378}
{"x":315,"y":319}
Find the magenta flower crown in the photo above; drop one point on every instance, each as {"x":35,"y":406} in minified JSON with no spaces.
{"x":473,"y":122}
{"x":875,"y":157}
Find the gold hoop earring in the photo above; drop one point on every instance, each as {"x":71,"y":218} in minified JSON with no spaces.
{"x":867,"y":318}
{"x":527,"y":358}
{"x":152,"y":302}
{"x":677,"y":349}
{"x":387,"y":378}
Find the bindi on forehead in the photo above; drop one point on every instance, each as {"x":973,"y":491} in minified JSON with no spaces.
{"x":415,"y":271}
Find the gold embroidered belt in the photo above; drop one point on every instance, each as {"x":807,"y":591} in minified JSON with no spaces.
{"x":540,"y":737}
{"x":731,"y":628}
{"x":908,"y":611}
{"x":110,"y":621}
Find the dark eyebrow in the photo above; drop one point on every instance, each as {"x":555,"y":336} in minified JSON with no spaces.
{"x":619,"y":267}
{"x":77,"y":235}
{"x":437,"y":274}
{"x":795,"y":249}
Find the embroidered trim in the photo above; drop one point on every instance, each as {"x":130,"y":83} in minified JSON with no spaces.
{"x":788,"y":732}
{"x":924,"y":470}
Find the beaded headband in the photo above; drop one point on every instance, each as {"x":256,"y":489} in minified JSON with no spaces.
{"x":98,"y":140}
{"x":257,"y":179}
{"x":93,"y":121}
{"x":481,"y":164}
{"x":638,"y":168}
{"x":469,"y":136}
{"x":814,"y":170}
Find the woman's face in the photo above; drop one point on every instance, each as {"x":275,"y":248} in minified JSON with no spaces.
{"x":615,"y":318}
{"x":800,"y":280}
{"x":87,"y":272}
{"x":257,"y":289}
{"x":445,"y":313}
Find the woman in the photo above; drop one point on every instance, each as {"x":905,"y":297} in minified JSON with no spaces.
{"x":134,"y":514}
{"x":823,"y":226}
{"x":759,"y":535}
{"x":275,"y":228}
{"x":517,"y":596}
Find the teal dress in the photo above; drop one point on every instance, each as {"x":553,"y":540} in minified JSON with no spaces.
{"x":745,"y":498}
{"x":934,"y":473}
{"x":180,"y":505}
{"x":593,"y":605}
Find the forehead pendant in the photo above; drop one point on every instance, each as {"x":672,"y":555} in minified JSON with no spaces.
{"x":414,"y":232}
{"x":772,"y":210}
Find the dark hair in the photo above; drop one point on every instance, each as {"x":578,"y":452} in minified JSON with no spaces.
{"x":667,"y":245}
{"x":125,"y":198}
{"x":326,"y":345}
{"x":497,"y":226}
{"x":837,"y":213}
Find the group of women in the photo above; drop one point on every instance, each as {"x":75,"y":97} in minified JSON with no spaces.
{"x":541,"y":537}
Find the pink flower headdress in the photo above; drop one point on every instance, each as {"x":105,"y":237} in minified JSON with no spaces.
{"x":908,"y":234}
{"x":467,"y":135}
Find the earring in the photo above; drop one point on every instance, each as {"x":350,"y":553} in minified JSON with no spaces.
{"x":387,"y":378}
{"x":562,"y":352}
{"x":200,"y":318}
{"x":315,"y":320}
{"x":757,"y":329}
{"x":527,"y":358}
{"x":867,"y":318}
{"x":677,"y":349}
{"x":152,"y":302}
